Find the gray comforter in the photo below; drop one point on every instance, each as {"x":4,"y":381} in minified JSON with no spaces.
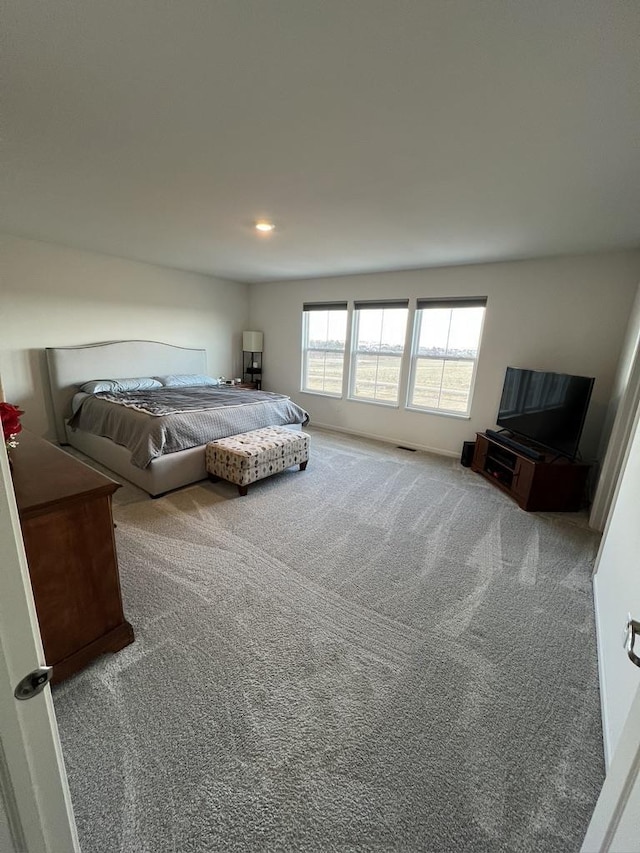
{"x":165,"y":420}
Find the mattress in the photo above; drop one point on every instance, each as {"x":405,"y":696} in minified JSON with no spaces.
{"x":156,"y":422}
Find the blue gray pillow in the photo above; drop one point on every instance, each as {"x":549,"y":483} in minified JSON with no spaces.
{"x":184,"y":380}
{"x":137,"y":383}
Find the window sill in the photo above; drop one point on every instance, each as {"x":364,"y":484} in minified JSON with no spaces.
{"x":373,"y":402}
{"x":321,"y":394}
{"x":439,"y":412}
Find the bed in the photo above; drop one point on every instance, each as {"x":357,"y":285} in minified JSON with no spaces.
{"x":166,"y":467}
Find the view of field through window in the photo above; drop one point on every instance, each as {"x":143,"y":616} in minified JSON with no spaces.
{"x":448,"y":340}
{"x":378,"y":353}
{"x":325,"y":338}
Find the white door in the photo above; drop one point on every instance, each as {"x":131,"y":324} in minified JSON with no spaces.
{"x":617,"y":593}
{"x":616,"y":818}
{"x":35,"y":806}
{"x":615,"y":821}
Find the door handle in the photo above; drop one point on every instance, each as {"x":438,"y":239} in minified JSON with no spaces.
{"x":34,"y":682}
{"x":631,"y":632}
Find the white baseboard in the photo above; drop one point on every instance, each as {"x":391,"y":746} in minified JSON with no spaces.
{"x":387,"y":440}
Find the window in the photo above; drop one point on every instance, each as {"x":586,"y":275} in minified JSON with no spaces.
{"x":446,"y":340}
{"x":324,"y":333}
{"x":378,"y":335}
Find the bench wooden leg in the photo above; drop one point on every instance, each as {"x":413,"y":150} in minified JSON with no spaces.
{"x":243,"y":490}
{"x":303,"y":465}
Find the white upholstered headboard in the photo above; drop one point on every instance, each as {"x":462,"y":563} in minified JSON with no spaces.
{"x":69,"y":367}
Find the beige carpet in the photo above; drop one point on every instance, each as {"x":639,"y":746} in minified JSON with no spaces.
{"x":380,"y":653}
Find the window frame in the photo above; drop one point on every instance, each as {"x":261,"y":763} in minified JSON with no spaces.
{"x":308,"y":308}
{"x":375,"y":304}
{"x":452,"y":303}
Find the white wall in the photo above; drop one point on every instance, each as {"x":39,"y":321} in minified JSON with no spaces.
{"x":564,"y":314}
{"x":628,"y":353}
{"x":619,"y":420}
{"x":54,"y":296}
{"x":5,"y":836}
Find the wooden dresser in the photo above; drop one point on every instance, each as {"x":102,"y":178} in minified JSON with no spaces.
{"x":67,"y":527}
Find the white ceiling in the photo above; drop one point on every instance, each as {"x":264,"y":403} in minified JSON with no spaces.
{"x":378,"y":134}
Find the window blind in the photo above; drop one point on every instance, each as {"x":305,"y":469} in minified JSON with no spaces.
{"x":453,"y":302}
{"x":380,"y":303}
{"x":324,"y":306}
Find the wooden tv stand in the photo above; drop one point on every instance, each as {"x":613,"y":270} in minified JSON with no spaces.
{"x":551,"y":484}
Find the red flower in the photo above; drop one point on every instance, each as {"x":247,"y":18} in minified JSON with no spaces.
{"x":10,"y":417}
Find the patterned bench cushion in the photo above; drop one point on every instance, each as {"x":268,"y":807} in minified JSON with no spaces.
{"x":251,"y":456}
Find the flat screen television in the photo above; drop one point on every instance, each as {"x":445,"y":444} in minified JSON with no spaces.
{"x":547,"y":408}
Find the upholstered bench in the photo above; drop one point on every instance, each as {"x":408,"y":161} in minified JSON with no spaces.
{"x":251,"y":456}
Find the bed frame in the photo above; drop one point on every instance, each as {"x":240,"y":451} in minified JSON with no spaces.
{"x":69,"y":367}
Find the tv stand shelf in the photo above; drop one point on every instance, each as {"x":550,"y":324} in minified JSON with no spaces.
{"x":550,"y":484}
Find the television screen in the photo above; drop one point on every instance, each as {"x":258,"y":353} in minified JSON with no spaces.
{"x":548,"y":408}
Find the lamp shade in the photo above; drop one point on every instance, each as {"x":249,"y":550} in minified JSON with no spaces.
{"x":252,"y":341}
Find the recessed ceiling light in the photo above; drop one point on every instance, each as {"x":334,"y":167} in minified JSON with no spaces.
{"x":264,"y":226}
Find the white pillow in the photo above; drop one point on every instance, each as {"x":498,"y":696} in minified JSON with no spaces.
{"x":184,"y":380}
{"x":138,"y":383}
